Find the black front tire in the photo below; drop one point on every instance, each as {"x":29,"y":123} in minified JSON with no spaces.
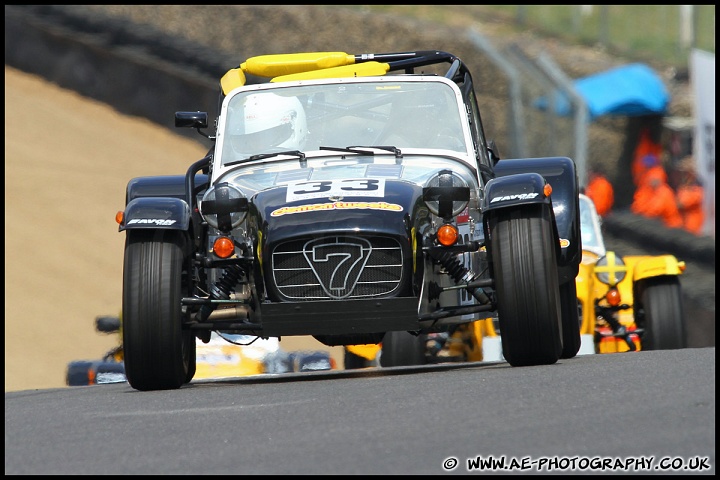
{"x":523,"y":249}
{"x":663,"y":314}
{"x":403,"y":349}
{"x":159,"y":355}
{"x":78,"y":373}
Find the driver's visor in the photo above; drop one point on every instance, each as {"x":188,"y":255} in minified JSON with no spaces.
{"x":272,"y":137}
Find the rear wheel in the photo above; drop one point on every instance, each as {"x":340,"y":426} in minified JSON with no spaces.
{"x":402,"y":349}
{"x":190,"y":352}
{"x":526,"y":277}
{"x":159,"y":355}
{"x":663,"y":321}
{"x":570,"y":319}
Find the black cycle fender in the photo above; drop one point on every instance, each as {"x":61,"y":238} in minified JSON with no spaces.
{"x":561,"y":174}
{"x":156,"y":212}
{"x":513,"y":190}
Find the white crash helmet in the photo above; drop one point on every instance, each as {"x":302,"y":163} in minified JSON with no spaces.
{"x":268,"y":122}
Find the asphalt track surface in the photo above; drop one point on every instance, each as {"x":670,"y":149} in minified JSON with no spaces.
{"x":396,"y":421}
{"x":610,"y":412}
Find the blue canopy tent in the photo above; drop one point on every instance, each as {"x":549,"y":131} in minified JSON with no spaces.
{"x":628,"y":90}
{"x":634,"y":90}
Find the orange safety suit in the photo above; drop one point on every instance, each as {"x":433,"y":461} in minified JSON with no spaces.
{"x":689,"y":200}
{"x":654,"y":198}
{"x":647,"y":154}
{"x":601,"y":192}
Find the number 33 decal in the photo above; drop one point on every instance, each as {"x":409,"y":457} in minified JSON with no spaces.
{"x":360,"y":187}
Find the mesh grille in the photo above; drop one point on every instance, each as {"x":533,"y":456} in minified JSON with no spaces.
{"x":337,"y":267}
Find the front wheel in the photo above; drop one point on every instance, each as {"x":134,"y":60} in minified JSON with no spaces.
{"x":402,"y":349}
{"x":526,"y":277}
{"x":663,"y":314}
{"x":78,"y":373}
{"x":157,"y":350}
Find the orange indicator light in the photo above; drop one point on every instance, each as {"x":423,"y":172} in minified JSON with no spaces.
{"x":223,"y":247}
{"x":447,"y":234}
{"x":613,"y":297}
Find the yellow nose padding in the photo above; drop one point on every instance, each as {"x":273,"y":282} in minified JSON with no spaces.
{"x":232,"y":79}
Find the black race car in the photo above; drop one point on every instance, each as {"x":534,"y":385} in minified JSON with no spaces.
{"x":224,"y":356}
{"x":351,"y":198}
{"x":108,"y":369}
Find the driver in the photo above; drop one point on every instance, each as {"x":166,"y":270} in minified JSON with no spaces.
{"x":267,"y":122}
{"x":423,"y":119}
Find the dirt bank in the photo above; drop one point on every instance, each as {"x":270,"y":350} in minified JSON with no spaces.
{"x":67,"y":161}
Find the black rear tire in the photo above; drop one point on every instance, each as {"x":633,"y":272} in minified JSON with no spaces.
{"x":402,"y":349}
{"x":570,"y":319}
{"x":523,"y":249}
{"x":159,"y":355}
{"x":664,"y":320}
{"x":190,"y":352}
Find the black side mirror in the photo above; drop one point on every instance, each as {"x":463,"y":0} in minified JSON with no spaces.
{"x":191,"y":119}
{"x":196,"y":120}
{"x":493,"y":151}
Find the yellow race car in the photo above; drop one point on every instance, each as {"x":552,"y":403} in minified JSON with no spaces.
{"x":625,"y":303}
{"x":474,"y":342}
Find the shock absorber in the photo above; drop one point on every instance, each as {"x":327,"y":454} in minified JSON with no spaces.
{"x":221,"y":290}
{"x":460,"y":273}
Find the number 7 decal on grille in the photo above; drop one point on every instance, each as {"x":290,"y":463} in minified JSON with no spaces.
{"x":337,"y":262}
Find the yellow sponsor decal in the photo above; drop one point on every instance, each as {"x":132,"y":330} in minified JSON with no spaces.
{"x":259,"y":248}
{"x":319,"y":207}
{"x":564,"y":243}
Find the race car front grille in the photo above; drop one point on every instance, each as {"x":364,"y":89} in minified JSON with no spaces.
{"x":337,"y":267}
